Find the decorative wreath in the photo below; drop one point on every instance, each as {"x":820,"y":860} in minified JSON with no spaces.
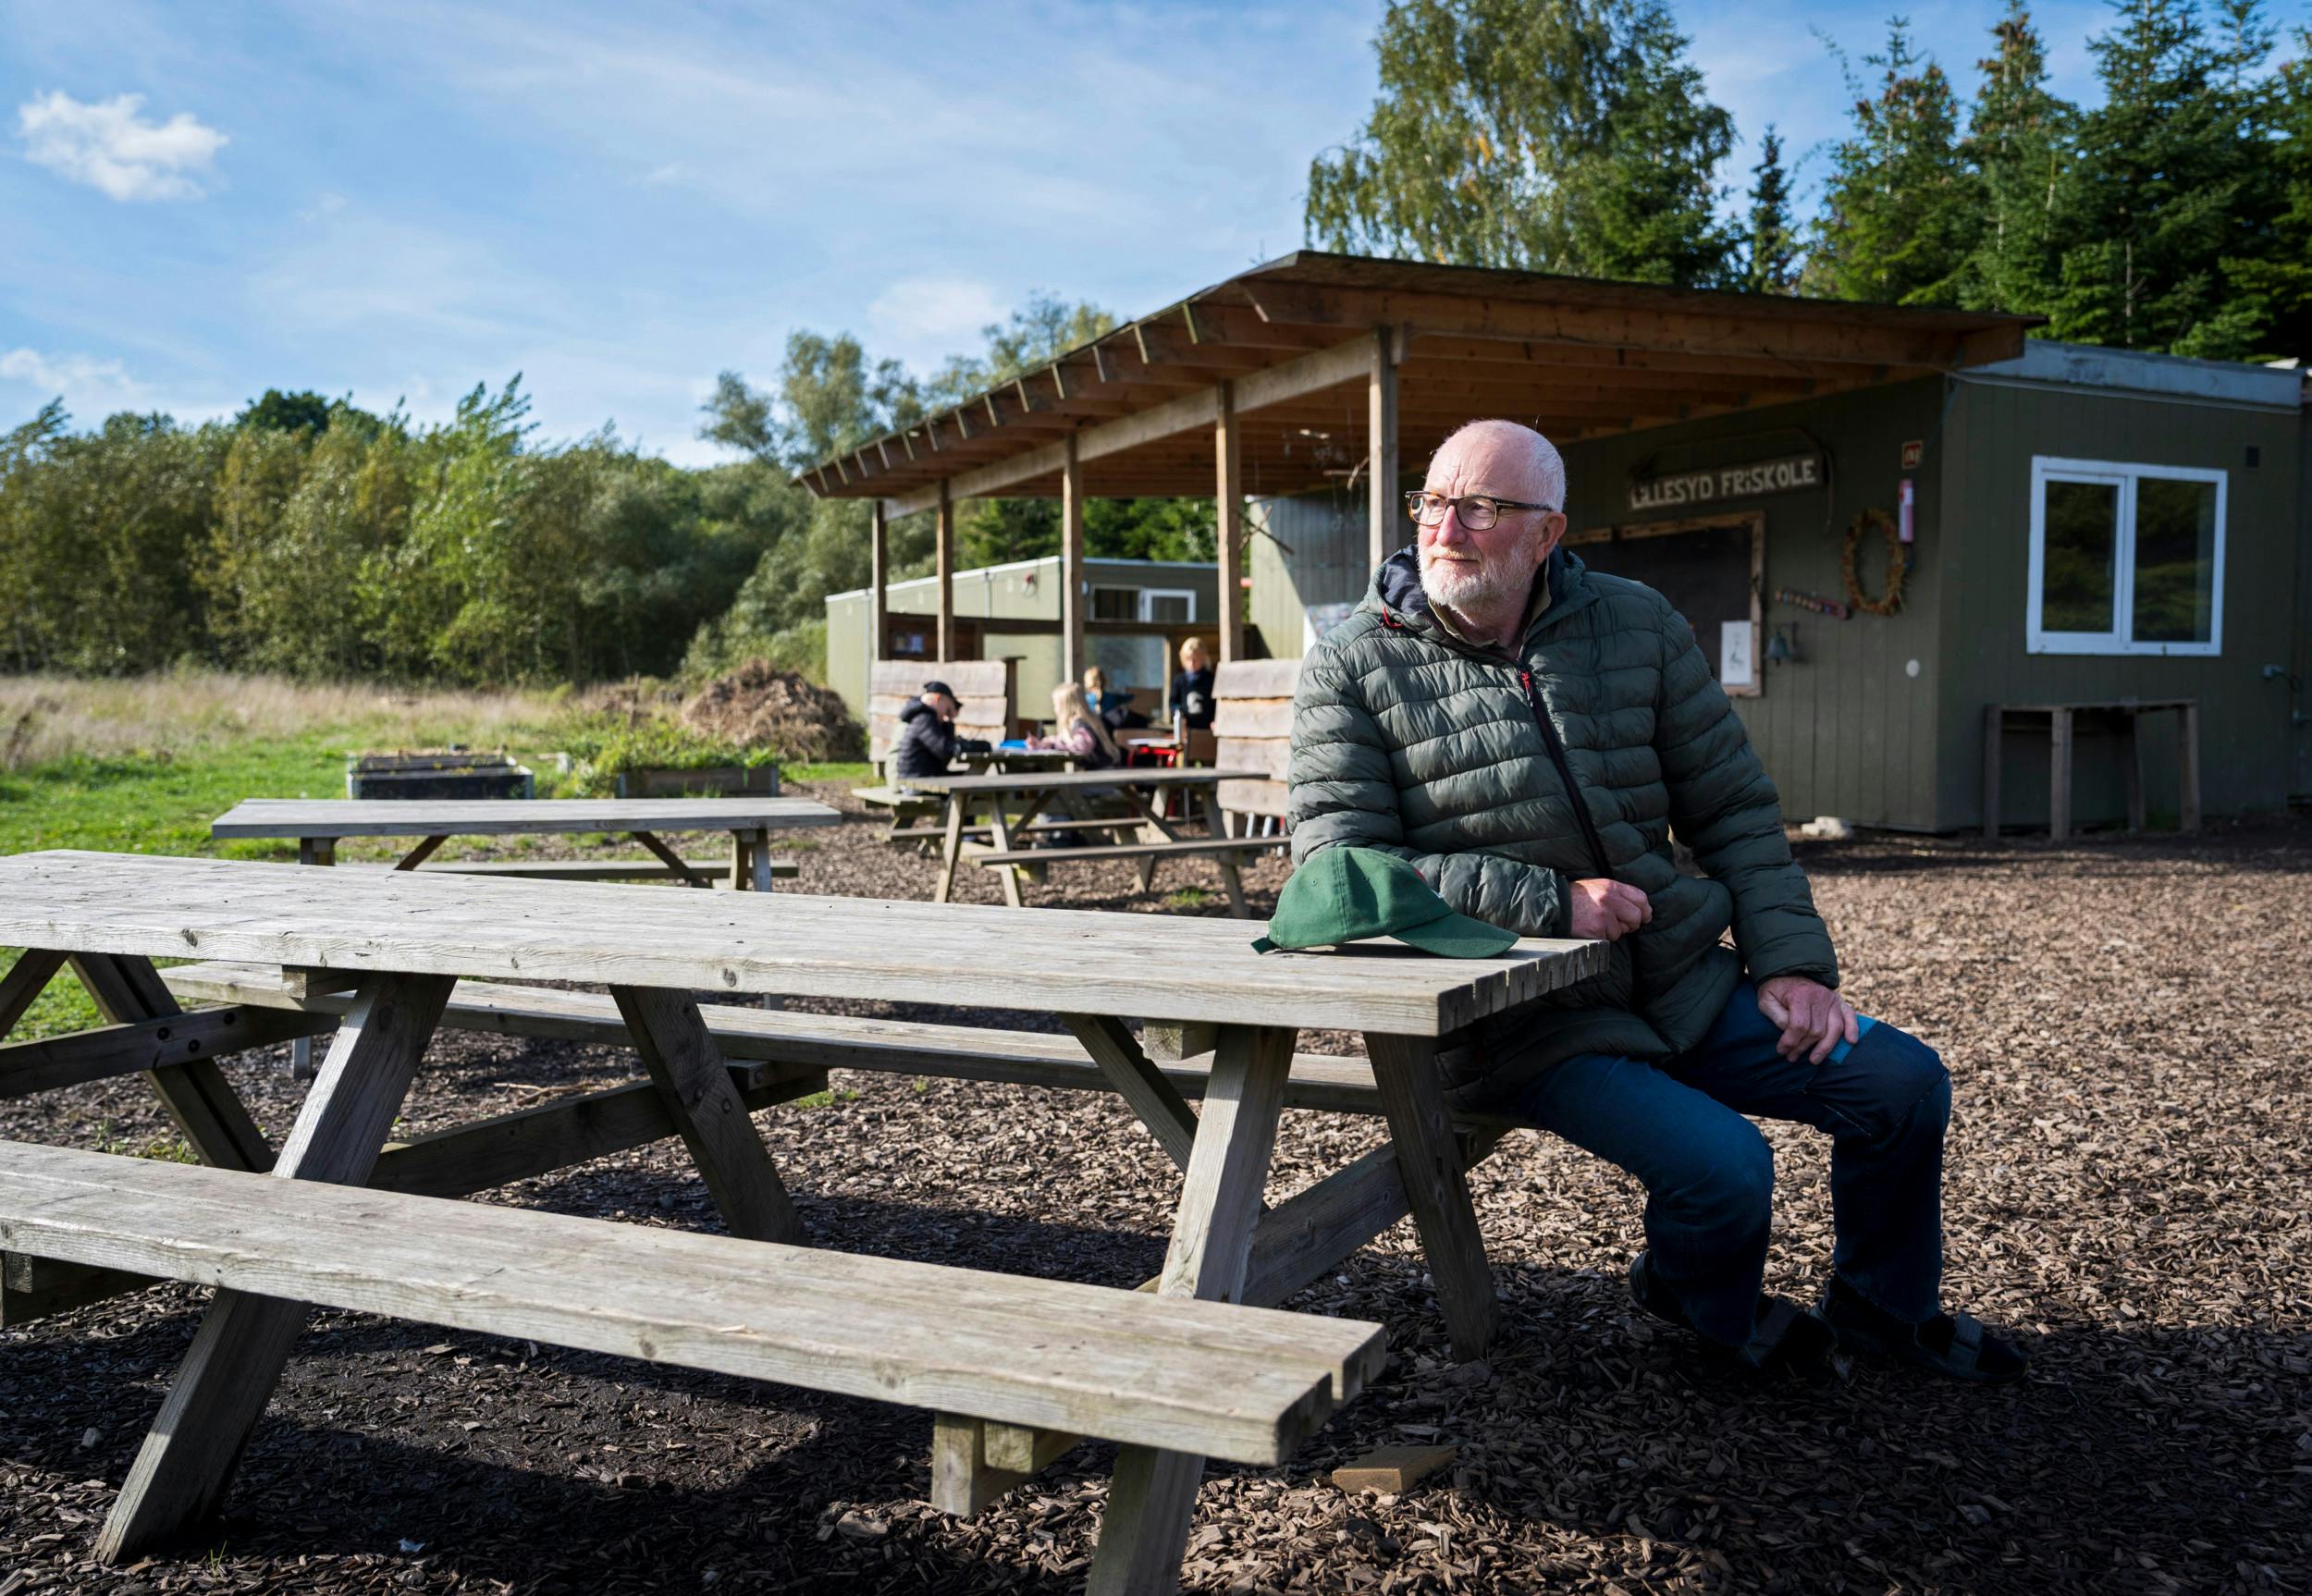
{"x":1897,"y":566}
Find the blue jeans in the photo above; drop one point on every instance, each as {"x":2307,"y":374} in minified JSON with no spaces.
{"x":1678,"y":1126}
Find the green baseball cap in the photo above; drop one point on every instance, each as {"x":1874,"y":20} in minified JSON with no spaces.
{"x":1347,"y":894}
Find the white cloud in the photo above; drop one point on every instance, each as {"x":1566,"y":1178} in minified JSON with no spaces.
{"x":90,"y":387}
{"x":107,"y":144}
{"x":946,"y":311}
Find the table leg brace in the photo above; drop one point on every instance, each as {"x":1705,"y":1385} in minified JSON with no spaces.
{"x":187,"y":1462}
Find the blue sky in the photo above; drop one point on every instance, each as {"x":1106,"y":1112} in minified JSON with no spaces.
{"x":400,"y":200}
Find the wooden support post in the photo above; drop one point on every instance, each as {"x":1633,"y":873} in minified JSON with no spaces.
{"x":1994,"y":736}
{"x":1072,"y":594}
{"x":1228,"y":526}
{"x":2187,"y":766}
{"x":1169,"y":1041}
{"x":320,"y":851}
{"x":944,"y":544}
{"x":695,"y":1083}
{"x":1153,"y":1494}
{"x":878,"y":579}
{"x":951,"y":849}
{"x":423,"y":851}
{"x":1437,"y":1187}
{"x":170,"y":1042}
{"x":127,"y":991}
{"x":26,"y":979}
{"x":2133,"y":754}
{"x":674,"y":862}
{"x":974,"y":1460}
{"x":2060,"y":775}
{"x":1384,"y":516}
{"x":212,"y":1117}
{"x":188,"y":1459}
{"x":1153,"y":1097}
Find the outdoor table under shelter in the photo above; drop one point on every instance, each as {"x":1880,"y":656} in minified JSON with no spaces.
{"x":318,"y":825}
{"x":1014,"y":1369}
{"x":1011,"y":800}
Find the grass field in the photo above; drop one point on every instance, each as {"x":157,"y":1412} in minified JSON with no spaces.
{"x":144,"y":765}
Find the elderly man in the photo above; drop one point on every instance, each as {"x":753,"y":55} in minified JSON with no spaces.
{"x":1528,"y":733}
{"x":927,"y":742}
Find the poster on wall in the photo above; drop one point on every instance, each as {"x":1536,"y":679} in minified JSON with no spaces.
{"x":1734,"y":650}
{"x":1319,"y":618}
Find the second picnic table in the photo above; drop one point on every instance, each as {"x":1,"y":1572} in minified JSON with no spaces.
{"x":1011,"y":800}
{"x":318,"y":825}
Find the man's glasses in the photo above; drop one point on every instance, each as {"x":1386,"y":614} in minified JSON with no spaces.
{"x":1477,"y":512}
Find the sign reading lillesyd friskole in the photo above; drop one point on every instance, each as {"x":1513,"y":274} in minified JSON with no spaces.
{"x":1789,"y":474}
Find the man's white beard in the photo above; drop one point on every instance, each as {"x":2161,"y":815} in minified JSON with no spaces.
{"x":1475,"y":588}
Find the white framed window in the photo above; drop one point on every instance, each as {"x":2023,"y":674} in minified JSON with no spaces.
{"x":1168,"y":604}
{"x":2125,"y":558}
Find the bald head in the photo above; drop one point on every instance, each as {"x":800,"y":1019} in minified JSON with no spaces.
{"x":1501,"y":459}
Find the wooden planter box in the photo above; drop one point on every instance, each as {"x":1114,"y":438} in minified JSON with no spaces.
{"x":448,"y":775}
{"x":727,"y":781}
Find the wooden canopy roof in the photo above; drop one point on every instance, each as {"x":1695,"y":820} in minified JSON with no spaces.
{"x":1292,"y":348}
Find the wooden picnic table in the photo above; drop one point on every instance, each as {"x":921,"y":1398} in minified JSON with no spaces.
{"x":319,"y":824}
{"x":402,"y":938}
{"x":1012,"y":801}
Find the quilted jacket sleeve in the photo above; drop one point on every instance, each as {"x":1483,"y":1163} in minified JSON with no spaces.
{"x":1342,"y":792}
{"x":1724,"y":806}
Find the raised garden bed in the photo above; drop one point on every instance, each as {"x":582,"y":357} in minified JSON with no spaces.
{"x":438,"y":773}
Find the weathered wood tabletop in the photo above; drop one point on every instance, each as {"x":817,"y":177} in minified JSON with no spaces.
{"x":404,"y":938}
{"x":477,"y":817}
{"x":318,"y":824}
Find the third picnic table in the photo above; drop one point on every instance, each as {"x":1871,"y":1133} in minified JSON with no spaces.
{"x":318,"y":824}
{"x":1013,"y":799}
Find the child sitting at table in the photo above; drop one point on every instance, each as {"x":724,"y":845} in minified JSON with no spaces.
{"x":1115,"y":706}
{"x":1078,"y":731}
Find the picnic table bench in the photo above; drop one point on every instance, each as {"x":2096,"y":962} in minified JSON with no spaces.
{"x":319,"y":824}
{"x":404,"y":938}
{"x":1011,"y":1357}
{"x":1011,"y":800}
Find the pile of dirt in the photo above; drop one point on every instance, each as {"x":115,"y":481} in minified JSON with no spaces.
{"x":762,"y":706}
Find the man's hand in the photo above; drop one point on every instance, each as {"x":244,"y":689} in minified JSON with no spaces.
{"x":1812,"y":1018}
{"x":1605,"y":910}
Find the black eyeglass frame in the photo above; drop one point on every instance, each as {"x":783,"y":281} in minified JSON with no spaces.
{"x":1413,"y":497}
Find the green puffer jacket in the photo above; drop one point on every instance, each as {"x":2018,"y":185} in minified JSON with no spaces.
{"x":1409,"y":740}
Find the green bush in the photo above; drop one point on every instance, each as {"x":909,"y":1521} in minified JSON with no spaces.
{"x":604,"y":747}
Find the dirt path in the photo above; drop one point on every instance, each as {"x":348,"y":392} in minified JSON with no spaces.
{"x":2130,"y":1026}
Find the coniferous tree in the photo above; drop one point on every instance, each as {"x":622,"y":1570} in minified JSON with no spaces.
{"x":1648,"y":209}
{"x":2282,"y":274}
{"x":1771,"y":264}
{"x":1903,"y":208}
{"x":2018,"y":140}
{"x":2168,"y":185}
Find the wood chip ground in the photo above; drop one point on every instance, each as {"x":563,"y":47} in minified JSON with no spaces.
{"x":2130,"y":1026}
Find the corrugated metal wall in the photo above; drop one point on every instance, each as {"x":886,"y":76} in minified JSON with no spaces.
{"x":2244,"y":734}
